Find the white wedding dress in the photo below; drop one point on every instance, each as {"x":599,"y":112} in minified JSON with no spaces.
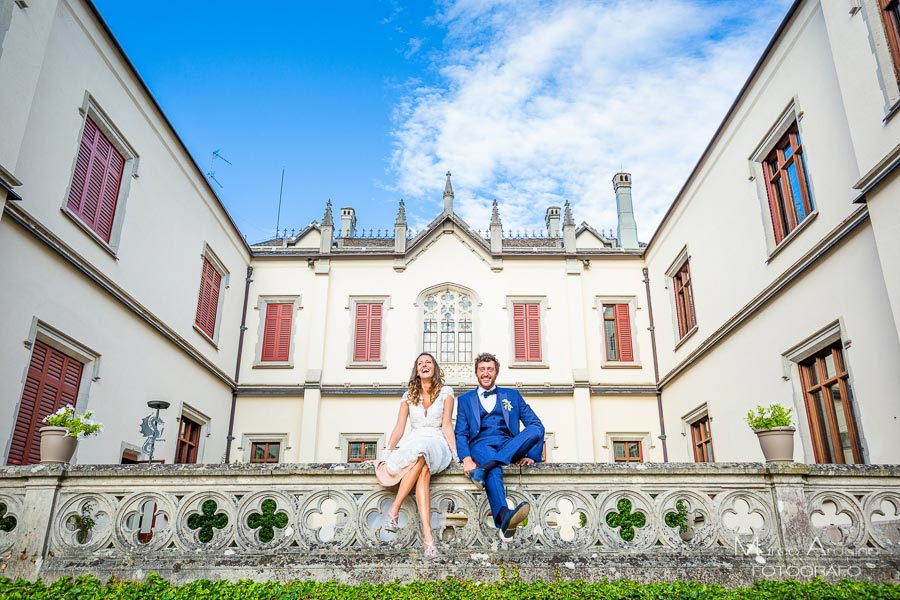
{"x":425,"y":437}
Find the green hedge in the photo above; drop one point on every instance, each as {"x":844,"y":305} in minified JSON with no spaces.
{"x":156,"y":588}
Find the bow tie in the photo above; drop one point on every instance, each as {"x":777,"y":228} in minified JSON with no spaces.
{"x":492,"y":392}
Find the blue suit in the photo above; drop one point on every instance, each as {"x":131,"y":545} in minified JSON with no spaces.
{"x":495,"y":439}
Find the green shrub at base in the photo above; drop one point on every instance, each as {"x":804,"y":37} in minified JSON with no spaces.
{"x":89,"y":588}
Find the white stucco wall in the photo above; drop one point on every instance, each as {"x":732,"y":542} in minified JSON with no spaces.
{"x":749,"y":367}
{"x":136,"y":364}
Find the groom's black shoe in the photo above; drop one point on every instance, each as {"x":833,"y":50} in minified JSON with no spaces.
{"x":513,"y":518}
{"x":477,"y":476}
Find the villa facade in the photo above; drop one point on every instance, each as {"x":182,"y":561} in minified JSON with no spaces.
{"x":774,"y":277}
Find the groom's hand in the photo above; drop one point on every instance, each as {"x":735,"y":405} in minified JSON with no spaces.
{"x":468,"y":465}
{"x":524,"y":462}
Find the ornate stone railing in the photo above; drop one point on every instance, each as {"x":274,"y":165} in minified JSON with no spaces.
{"x":732,"y":523}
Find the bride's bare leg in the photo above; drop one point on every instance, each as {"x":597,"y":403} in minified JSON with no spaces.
{"x":423,"y":501}
{"x":406,"y":485}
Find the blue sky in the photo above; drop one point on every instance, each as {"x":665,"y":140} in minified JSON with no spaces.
{"x":531,"y":102}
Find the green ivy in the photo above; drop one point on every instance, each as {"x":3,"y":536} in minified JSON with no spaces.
{"x":88,"y":588}
{"x":625,"y":519}
{"x":7,"y":522}
{"x":267,"y":521}
{"x":678,"y":518}
{"x":206,"y":521}
{"x":83,"y":522}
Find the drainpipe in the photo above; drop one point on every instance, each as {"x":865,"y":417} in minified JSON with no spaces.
{"x":237,"y":367}
{"x":659,"y":405}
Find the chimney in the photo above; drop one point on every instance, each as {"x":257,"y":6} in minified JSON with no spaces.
{"x":551,"y":218}
{"x":627,"y":231}
{"x":348,"y":222}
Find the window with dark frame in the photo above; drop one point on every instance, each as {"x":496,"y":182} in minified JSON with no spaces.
{"x":890,"y":16}
{"x":617,"y":333}
{"x":94,"y":191}
{"x":361,"y":451}
{"x":628,"y":451}
{"x":264,"y":452}
{"x":787,"y":185}
{"x":684,"y":300}
{"x":829,"y":407}
{"x":188,"y":442}
{"x":701,"y":436}
{"x":208,"y":299}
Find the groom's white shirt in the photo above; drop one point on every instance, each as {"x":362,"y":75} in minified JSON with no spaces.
{"x":487,"y":402}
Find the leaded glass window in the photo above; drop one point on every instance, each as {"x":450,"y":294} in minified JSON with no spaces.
{"x":447,"y":326}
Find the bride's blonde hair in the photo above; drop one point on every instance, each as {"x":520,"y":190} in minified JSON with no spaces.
{"x":414,"y":387}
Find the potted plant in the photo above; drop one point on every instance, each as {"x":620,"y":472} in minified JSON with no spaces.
{"x":64,"y":428}
{"x":775,"y":431}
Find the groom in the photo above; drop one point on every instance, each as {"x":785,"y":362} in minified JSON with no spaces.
{"x":488,"y":438}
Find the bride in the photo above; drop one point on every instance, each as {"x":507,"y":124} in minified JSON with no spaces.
{"x":428,"y":448}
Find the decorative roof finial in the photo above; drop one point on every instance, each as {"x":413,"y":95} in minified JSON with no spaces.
{"x":495,"y":214}
{"x":328,"y":220}
{"x":567,"y":218}
{"x":448,"y":189}
{"x":401,"y":215}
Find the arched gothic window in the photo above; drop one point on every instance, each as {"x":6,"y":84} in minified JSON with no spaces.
{"x":448,"y":329}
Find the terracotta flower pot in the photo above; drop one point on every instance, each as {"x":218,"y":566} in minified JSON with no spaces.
{"x":56,"y":445}
{"x":777,"y":443}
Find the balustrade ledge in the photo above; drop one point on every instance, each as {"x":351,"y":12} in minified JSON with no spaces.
{"x":732,"y":523}
{"x":543,"y":470}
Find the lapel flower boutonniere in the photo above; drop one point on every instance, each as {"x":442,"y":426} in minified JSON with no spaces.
{"x":507,"y":404}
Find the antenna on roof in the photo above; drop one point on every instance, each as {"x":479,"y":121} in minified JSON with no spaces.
{"x":278,"y":218}
{"x":211,"y":175}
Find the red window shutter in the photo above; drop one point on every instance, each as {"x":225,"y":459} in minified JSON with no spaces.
{"x":533,"y":326}
{"x":519,"y":335}
{"x":52,"y":381}
{"x":367,"y":334}
{"x":277,"y":333}
{"x":95,"y":183}
{"x":208,"y":301}
{"x":361,"y":337}
{"x":375,"y":332}
{"x":623,"y":331}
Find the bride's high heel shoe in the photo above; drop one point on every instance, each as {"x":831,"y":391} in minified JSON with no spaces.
{"x":392,"y":526}
{"x":430,"y":550}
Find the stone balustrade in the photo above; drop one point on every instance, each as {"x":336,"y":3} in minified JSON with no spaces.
{"x":732,"y":523}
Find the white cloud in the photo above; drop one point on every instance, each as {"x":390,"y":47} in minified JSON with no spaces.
{"x":538,"y":102}
{"x":413,"y":45}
